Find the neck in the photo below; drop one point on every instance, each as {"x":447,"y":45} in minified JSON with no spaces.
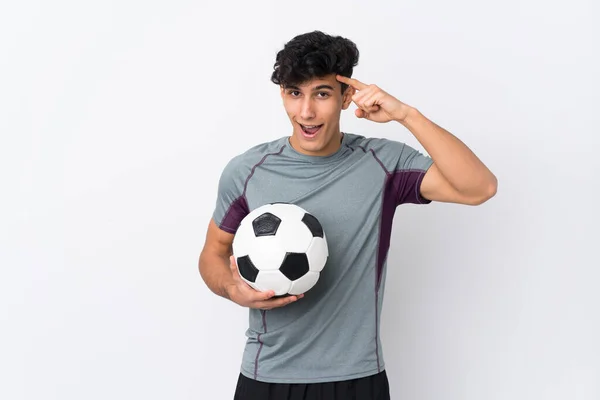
{"x":330,"y":148}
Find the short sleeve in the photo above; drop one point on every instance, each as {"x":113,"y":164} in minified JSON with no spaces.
{"x":405,"y":167}
{"x":231,"y":204}
{"x":411,"y":167}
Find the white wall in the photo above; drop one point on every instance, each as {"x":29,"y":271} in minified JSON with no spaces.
{"x":116,"y":118}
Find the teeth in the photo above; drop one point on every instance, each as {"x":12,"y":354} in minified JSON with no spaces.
{"x":311,"y":126}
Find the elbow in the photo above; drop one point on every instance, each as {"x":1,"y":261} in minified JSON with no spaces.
{"x":488,"y":191}
{"x":202,"y":264}
{"x":492,"y":187}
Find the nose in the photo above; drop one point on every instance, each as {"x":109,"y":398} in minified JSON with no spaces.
{"x":307,"y":112}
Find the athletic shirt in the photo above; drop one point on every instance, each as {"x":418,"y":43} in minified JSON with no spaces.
{"x":331,"y":334}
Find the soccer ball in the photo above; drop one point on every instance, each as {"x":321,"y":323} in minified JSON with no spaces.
{"x":280,"y":247}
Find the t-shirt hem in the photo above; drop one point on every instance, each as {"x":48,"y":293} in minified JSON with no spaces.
{"x":338,"y":378}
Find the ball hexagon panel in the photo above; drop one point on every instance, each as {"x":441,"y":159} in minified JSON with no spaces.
{"x":305,"y":283}
{"x":294,"y":236}
{"x":294,"y":266}
{"x":317,"y":254}
{"x":267,"y":253}
{"x":243,"y":240}
{"x":272,"y":280}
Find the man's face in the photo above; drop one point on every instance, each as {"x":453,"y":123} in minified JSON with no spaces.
{"x":314,"y":109}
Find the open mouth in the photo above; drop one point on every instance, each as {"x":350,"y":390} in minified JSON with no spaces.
{"x":310,"y":131}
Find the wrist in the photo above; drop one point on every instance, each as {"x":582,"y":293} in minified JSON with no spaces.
{"x":405,"y":114}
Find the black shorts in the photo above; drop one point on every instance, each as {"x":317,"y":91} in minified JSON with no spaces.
{"x":374,"y":387}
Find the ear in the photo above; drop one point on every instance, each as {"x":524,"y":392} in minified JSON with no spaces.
{"x":347,"y":98}
{"x":282,"y":89}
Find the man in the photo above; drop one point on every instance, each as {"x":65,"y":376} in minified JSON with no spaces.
{"x":325,"y":344}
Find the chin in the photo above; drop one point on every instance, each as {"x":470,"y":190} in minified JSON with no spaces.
{"x":309,"y":143}
{"x":313,"y":145}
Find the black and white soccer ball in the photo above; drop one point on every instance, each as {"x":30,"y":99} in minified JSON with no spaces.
{"x":280,"y":247}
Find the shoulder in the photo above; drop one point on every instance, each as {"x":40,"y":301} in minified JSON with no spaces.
{"x":378,"y":145}
{"x":388,"y":152}
{"x":242,"y":164}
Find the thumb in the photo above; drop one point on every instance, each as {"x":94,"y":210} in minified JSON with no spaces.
{"x":360,"y":113}
{"x":234,"y":268}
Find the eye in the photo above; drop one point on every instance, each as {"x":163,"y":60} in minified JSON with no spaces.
{"x":324,"y":95}
{"x":294,"y":93}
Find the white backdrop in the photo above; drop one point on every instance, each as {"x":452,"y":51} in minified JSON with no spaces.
{"x":116,"y":118}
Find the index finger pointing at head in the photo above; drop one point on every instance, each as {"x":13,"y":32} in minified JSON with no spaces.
{"x":355,"y":83}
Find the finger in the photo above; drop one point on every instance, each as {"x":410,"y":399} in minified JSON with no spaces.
{"x":364,"y":108}
{"x":369,"y":103}
{"x":278,"y":302}
{"x":367,"y":107}
{"x":359,"y":97}
{"x":362,"y":98}
{"x":233,"y":266}
{"x":234,"y":269}
{"x":355,"y":83}
{"x":263,"y":296}
{"x":250,"y":293}
{"x":360,"y":103}
{"x":237,"y":277}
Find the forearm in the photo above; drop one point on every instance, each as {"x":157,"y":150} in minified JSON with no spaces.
{"x":216,"y":272}
{"x":455,"y":161}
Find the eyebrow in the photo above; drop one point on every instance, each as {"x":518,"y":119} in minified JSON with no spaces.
{"x":320,"y":87}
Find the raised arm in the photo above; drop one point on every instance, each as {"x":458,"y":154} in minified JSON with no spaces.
{"x":457,"y":175}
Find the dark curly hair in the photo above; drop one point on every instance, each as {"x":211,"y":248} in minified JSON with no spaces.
{"x":314,"y":55}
